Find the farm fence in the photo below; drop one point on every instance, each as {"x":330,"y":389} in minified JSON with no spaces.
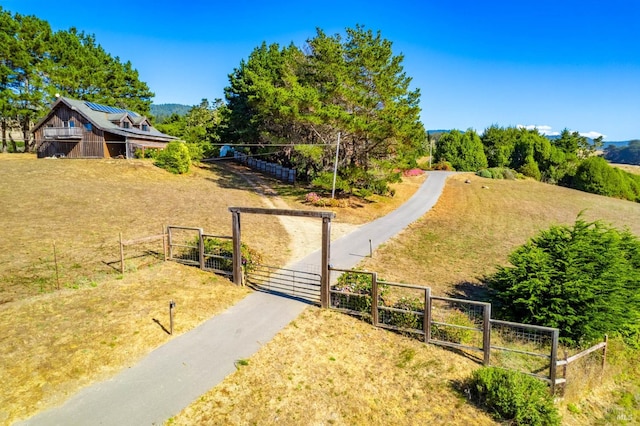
{"x":464,"y":325}
{"x":192,"y":246}
{"x":275,"y":170}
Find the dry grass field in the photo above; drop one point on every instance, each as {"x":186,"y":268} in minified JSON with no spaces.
{"x":63,"y":328}
{"x":81,"y":207}
{"x":324,"y":368}
{"x":327,"y":368}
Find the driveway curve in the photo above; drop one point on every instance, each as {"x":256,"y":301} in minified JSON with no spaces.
{"x":172,"y":376}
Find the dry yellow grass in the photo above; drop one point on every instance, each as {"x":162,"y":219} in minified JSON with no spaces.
{"x":474,"y":226}
{"x":324,"y":368}
{"x":82,"y":206}
{"x":328,"y":368}
{"x":54,"y":344}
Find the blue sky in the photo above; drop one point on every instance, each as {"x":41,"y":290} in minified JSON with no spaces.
{"x":554,"y":64}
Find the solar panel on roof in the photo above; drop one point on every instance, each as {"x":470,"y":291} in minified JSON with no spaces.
{"x":108,"y":109}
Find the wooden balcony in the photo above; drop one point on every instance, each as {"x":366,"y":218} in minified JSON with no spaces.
{"x":64,"y":133}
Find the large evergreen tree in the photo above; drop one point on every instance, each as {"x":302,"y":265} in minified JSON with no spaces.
{"x":353,"y":86}
{"x":464,"y":151}
{"x":35,"y":64}
{"x":583,"y":279}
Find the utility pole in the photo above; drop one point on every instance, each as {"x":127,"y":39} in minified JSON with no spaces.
{"x":335,"y":168}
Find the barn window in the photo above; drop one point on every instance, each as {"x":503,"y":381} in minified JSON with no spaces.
{"x":88,"y":127}
{"x":125,"y":124}
{"x":145,"y":127}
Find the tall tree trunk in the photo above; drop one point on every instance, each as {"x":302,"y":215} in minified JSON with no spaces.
{"x":4,"y":135}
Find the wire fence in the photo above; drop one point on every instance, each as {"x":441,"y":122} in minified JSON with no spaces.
{"x":464,"y":325}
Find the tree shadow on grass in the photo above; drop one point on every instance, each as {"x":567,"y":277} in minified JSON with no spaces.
{"x":469,"y":290}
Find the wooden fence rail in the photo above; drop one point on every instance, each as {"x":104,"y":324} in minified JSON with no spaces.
{"x":524,"y":341}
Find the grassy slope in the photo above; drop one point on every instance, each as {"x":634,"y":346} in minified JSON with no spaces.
{"x":326,"y":368}
{"x":82,"y":206}
{"x":54,"y":342}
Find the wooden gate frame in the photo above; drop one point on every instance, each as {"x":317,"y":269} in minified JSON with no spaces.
{"x":326,"y":242}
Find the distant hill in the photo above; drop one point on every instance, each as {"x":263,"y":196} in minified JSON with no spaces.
{"x":163,"y":111}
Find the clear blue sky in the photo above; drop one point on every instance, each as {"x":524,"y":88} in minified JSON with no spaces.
{"x":554,"y":64}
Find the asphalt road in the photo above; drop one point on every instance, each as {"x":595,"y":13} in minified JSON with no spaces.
{"x":177,"y":373}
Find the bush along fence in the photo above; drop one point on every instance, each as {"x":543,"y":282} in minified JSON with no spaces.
{"x":275,"y":170}
{"x":460,"y":324}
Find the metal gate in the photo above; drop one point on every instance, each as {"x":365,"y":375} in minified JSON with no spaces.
{"x":297,"y":284}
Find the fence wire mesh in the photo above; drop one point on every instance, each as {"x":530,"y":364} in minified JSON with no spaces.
{"x":350,"y":292}
{"x":401,"y":307}
{"x":184,"y":244}
{"x":522,"y":347}
{"x":457,"y":322}
{"x":218,"y":254}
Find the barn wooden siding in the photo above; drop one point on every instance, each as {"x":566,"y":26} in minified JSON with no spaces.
{"x":92,"y":144}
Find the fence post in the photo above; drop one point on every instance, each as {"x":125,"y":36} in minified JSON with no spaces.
{"x":169,"y":242}
{"x":237,"y":253}
{"x":554,"y":360}
{"x":564,"y":368}
{"x":121,"y":255}
{"x":486,"y":334}
{"x":164,"y":243}
{"x":325,"y":278}
{"x":426,"y":319}
{"x":604,"y":353}
{"x":201,"y":248}
{"x":374,"y":299}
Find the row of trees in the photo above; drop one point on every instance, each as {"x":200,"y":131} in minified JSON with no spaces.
{"x":37,"y":63}
{"x":295,"y":103}
{"x":567,"y":160}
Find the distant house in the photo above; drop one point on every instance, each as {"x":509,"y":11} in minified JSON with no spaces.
{"x":82,"y":129}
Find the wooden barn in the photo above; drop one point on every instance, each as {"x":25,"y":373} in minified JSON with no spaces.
{"x":82,"y":129}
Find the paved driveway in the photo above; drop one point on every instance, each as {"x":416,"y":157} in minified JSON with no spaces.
{"x":177,"y":373}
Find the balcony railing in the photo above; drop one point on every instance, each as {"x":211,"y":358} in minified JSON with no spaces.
{"x":63,"y":132}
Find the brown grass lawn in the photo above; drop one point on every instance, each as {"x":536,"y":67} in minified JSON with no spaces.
{"x":324,"y":368}
{"x":474,"y":226}
{"x":99,"y":321}
{"x":327,"y":368}
{"x":82,"y":206}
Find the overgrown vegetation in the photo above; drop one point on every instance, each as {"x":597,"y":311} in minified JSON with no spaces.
{"x":175,"y":158}
{"x":512,"y":397}
{"x":583,"y":279}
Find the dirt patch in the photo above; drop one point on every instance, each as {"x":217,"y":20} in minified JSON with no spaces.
{"x":305,"y":234}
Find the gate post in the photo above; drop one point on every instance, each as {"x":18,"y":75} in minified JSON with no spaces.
{"x":326,"y":273}
{"x":237,"y":252}
{"x":486,"y":335}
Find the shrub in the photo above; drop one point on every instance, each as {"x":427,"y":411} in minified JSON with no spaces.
{"x":224,"y":247}
{"x":408,"y":318}
{"x":583,"y":279}
{"x":174,"y":158}
{"x":512,"y":397}
{"x":413,"y":172}
{"x":595,"y":175}
{"x":443,"y":165}
{"x":485,"y":173}
{"x":356,"y":288}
